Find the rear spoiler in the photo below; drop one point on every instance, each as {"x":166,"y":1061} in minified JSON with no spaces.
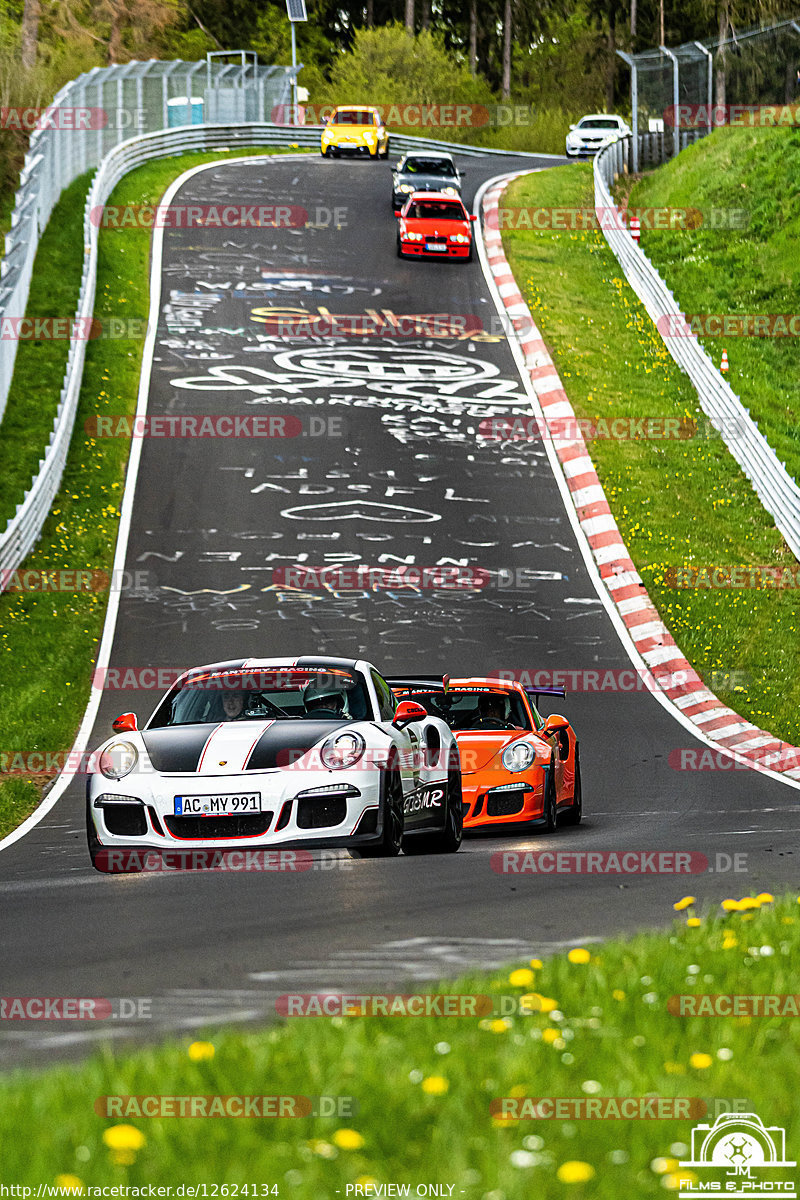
{"x":535,"y":693}
{"x":418,"y":683}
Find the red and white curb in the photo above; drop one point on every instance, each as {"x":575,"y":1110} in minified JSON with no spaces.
{"x":672,"y":674}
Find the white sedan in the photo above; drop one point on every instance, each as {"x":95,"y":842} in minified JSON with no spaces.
{"x":274,"y":754}
{"x":594,"y":132}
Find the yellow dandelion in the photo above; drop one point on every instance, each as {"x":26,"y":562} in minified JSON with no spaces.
{"x":662,"y":1166}
{"x":579,"y":955}
{"x":368,"y":1182}
{"x":686,"y":902}
{"x":521,"y":977}
{"x":435,"y":1085}
{"x":678,"y":1179}
{"x":124,"y":1137}
{"x":732,"y":905}
{"x":550,"y":1036}
{"x":618,"y":994}
{"x":498,"y":1025}
{"x":764,"y":898}
{"x":700,"y":1061}
{"x":693,"y":922}
{"x":575,"y":1171}
{"x":69,"y":1183}
{"x":348,"y":1139}
{"x":198,"y":1051}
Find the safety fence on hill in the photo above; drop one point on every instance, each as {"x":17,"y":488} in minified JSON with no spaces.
{"x":775,"y":487}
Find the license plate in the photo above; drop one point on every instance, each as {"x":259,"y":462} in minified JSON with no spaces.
{"x":217,"y":806}
{"x":436,"y":246}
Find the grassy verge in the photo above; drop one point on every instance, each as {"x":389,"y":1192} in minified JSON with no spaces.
{"x":674,"y":501}
{"x":417,"y":1092}
{"x":754,"y":270}
{"x":48,"y":641}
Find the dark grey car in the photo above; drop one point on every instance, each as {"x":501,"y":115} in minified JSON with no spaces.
{"x":420,"y":171}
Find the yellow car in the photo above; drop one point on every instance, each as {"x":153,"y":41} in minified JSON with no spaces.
{"x":353,"y":129}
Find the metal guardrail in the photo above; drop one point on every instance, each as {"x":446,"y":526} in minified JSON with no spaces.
{"x":774,"y":486}
{"x":24,"y":528}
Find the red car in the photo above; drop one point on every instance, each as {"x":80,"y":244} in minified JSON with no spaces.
{"x":434,"y":224}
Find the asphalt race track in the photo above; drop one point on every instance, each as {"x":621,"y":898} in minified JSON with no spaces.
{"x":390,"y":469}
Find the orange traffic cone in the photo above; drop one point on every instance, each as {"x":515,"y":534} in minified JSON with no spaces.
{"x":723,"y":366}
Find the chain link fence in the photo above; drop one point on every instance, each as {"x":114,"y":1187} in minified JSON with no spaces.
{"x":723,"y":80}
{"x":774,"y":486}
{"x":94,"y":113}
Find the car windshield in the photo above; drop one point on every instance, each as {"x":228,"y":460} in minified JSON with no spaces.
{"x":476,"y":708}
{"x":353,"y":116}
{"x":598,"y":123}
{"x":429,"y":166}
{"x":437,"y":210}
{"x":281,"y":693}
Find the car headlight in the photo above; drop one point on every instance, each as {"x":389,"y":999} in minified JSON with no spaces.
{"x":612,"y":137}
{"x":461,"y":238}
{"x":450,"y":191}
{"x":518,"y":756}
{"x":342,"y":750}
{"x":406,"y":188}
{"x":370,"y":136}
{"x":414,"y":237}
{"x":118,"y":760}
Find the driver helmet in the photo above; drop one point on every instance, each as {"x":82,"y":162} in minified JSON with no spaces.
{"x":321,"y":693}
{"x":493,"y":704}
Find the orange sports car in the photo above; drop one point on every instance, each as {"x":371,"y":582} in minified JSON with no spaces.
{"x":517,"y":767}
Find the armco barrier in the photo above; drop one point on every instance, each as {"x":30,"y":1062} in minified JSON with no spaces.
{"x":776,"y":489}
{"x":24,"y":528}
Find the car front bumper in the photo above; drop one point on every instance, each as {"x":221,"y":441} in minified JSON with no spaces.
{"x":505,"y":800}
{"x":454,"y":250}
{"x":296,"y":811}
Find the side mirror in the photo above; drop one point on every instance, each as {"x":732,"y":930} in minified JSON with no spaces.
{"x":125,"y":723}
{"x":473,"y":216}
{"x":573,"y":126}
{"x":397,"y":212}
{"x":408,"y":711}
{"x":554,"y":724}
{"x":397,"y":166}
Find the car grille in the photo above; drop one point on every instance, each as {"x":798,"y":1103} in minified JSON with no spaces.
{"x":321,"y":812}
{"x":125,"y":820}
{"x":219,"y":827}
{"x":504,"y":804}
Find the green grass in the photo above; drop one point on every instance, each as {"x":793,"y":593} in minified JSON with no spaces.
{"x":752,"y":271}
{"x":423,"y":1086}
{"x":48,"y":641}
{"x":674,"y":501}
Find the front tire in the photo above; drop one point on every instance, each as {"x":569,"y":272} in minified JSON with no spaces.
{"x":448,"y":840}
{"x":400,"y":249}
{"x":550,"y":816}
{"x":391,"y":842}
{"x":574,"y":813}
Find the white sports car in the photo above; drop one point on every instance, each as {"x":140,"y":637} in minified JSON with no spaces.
{"x":279,"y":753}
